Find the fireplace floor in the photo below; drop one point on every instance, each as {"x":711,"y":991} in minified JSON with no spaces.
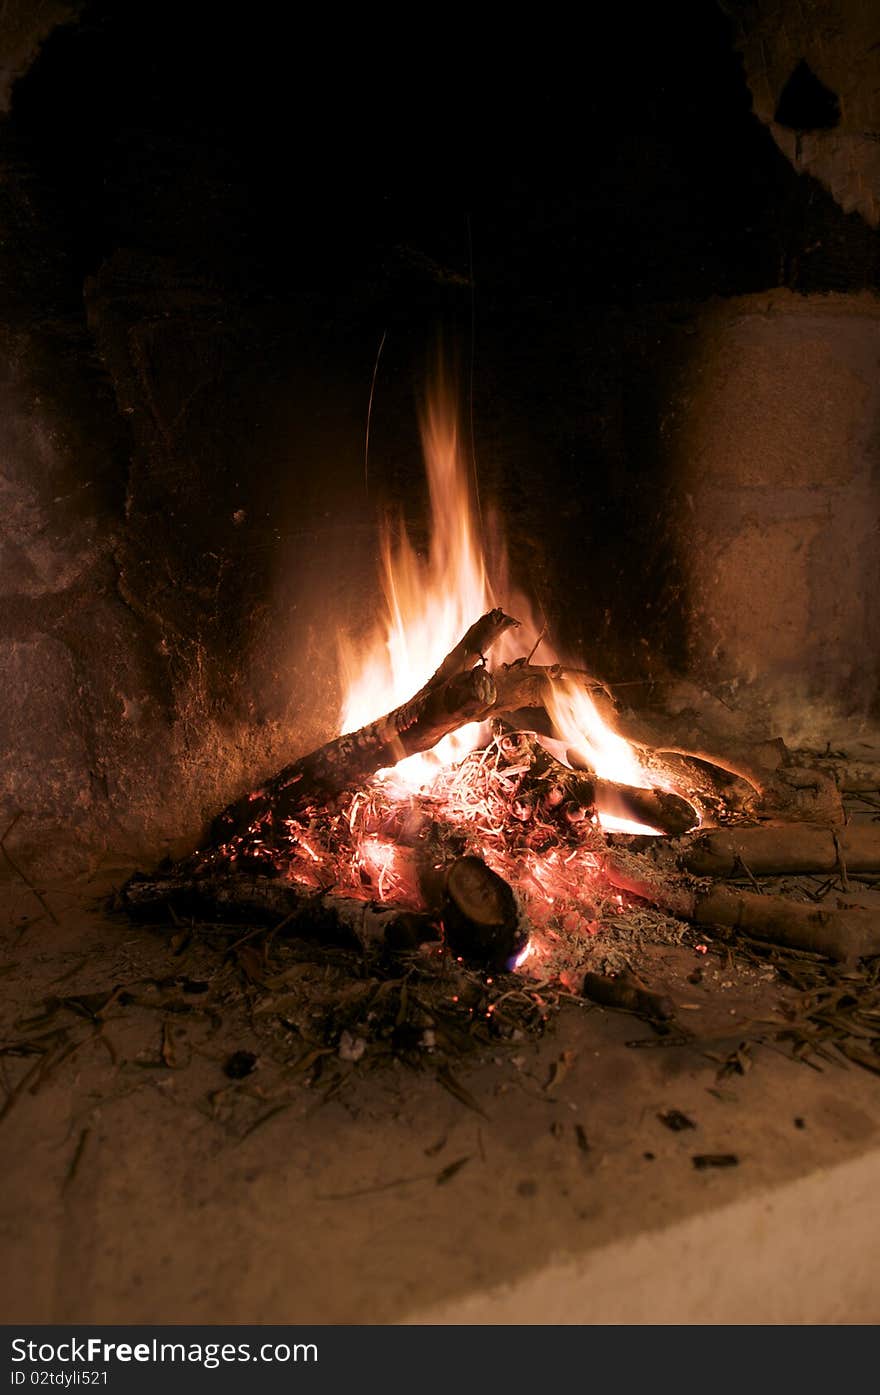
{"x":535,"y":1182}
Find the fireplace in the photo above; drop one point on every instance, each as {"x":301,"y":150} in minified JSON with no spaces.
{"x":439,"y":558}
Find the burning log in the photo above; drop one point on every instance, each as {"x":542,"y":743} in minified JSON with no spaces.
{"x":779,"y":850}
{"x":554,"y":782}
{"x":738,"y":771}
{"x":458,"y":693}
{"x":479,"y":909}
{"x":472,"y":648}
{"x":522,"y":686}
{"x":481,"y":917}
{"x":237,"y":898}
{"x":715,"y":781}
{"x":755,"y":762}
{"x":767,"y":783}
{"x":654,"y":808}
{"x":717,"y":793}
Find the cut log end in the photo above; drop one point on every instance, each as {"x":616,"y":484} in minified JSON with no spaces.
{"x":481,"y":917}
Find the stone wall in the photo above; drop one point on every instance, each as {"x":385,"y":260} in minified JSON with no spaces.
{"x":185,"y":518}
{"x":839,"y":41}
{"x":775,"y":438}
{"x":152,"y":665}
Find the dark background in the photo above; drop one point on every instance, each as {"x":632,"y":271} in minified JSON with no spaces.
{"x":214,"y":216}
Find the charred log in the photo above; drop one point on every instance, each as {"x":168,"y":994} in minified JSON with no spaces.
{"x":456,"y":694}
{"x":654,"y":808}
{"x":748,"y":766}
{"x":258,"y":900}
{"x":552,"y":783}
{"x":718,"y":794}
{"x":481,"y":918}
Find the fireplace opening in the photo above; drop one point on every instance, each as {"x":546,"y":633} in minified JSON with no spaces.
{"x":439,"y":561}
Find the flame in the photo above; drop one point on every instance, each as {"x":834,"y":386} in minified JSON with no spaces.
{"x":524,"y":954}
{"x":587,"y":736}
{"x":584,"y":732}
{"x":430,"y":601}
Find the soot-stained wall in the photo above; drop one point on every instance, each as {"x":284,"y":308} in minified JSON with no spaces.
{"x":206,"y":234}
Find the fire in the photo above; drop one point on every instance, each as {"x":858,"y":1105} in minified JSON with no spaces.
{"x":429,"y":604}
{"x":488,"y":795}
{"x":579,"y":725}
{"x":430,"y":601}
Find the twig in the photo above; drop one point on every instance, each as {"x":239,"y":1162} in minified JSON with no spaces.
{"x":841,"y":862}
{"x":264,"y":1118}
{"x":19,"y":873}
{"x":378,"y":1187}
{"x":534,"y":647}
{"x":741,"y":863}
{"x":457,"y":1090}
{"x":76,"y":1159}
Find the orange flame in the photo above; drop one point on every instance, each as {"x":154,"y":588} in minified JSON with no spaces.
{"x":430,"y":603}
{"x":579,"y":725}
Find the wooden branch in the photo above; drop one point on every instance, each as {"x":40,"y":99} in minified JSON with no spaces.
{"x":777,"y":850}
{"x":521,"y":685}
{"x":456,"y":694}
{"x":472,"y":648}
{"x":845,"y":933}
{"x":416,"y":726}
{"x":239,"y":898}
